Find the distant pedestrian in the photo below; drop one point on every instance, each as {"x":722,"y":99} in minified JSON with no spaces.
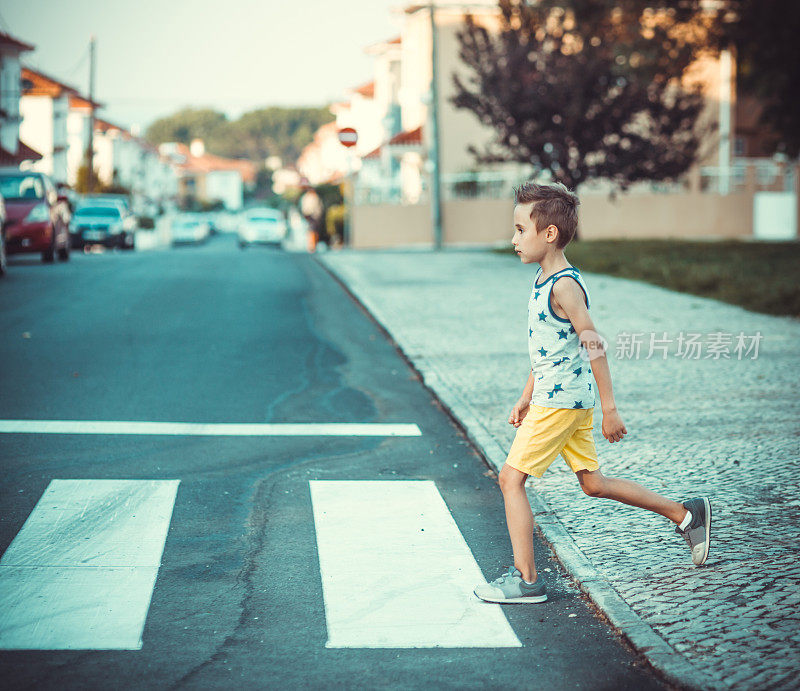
{"x":313,"y":211}
{"x":555,"y":412}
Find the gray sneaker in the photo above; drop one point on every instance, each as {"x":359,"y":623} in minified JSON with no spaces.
{"x":511,"y":588}
{"x":698,"y":532}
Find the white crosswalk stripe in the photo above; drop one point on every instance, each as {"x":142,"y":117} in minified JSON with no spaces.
{"x":223,"y":429}
{"x":80,"y":573}
{"x":396,"y":571}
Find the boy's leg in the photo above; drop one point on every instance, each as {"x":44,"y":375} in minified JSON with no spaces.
{"x":519,"y":519}
{"x":595,"y":484}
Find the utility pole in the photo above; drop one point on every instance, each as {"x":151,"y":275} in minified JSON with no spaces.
{"x":436,"y":199}
{"x":90,"y":148}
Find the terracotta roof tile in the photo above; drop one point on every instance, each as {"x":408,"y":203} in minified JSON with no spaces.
{"x":9,"y":40}
{"x":407,"y":138}
{"x":367,"y":90}
{"x":24,"y":153}
{"x":209,"y":162}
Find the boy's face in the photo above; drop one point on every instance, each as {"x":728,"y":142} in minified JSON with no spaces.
{"x":530,"y":245}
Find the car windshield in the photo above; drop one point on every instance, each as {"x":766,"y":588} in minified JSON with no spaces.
{"x":15,"y":187}
{"x":107,"y":201}
{"x":96,"y":211}
{"x":263,"y":215}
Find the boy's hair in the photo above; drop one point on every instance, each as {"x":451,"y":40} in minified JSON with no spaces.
{"x":553,"y":204}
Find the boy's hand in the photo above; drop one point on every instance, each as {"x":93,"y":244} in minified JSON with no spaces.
{"x":519,"y":411}
{"x":613,"y":427}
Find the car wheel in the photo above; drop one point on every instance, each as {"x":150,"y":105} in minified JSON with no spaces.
{"x":3,"y":256}
{"x":50,"y":253}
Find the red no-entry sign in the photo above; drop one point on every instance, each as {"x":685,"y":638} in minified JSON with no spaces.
{"x":348,"y":136}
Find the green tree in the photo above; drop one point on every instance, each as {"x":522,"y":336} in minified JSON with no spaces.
{"x":188,"y":124}
{"x":588,"y":89}
{"x":256,"y":135}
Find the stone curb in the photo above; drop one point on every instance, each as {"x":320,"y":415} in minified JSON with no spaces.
{"x":660,"y":654}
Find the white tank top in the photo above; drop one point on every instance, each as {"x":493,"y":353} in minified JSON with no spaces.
{"x":562,"y":378}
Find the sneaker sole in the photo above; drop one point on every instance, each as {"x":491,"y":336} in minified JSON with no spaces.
{"x":708,"y":531}
{"x":530,"y":599}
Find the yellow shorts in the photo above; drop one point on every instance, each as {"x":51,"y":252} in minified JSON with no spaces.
{"x":547,"y":432}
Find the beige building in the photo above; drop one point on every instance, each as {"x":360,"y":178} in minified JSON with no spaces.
{"x":398,"y":169}
{"x":725,"y":195}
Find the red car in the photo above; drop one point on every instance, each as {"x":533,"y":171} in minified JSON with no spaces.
{"x":37,"y":217}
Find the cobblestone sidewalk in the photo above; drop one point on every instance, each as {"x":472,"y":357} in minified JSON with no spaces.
{"x":724,"y":426}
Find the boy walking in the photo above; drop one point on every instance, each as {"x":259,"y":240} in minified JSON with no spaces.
{"x":554,"y":415}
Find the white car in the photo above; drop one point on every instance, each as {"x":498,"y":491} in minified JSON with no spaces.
{"x":261,"y":225}
{"x":190,"y":228}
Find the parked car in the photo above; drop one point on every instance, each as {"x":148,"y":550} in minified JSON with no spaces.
{"x":106,"y":223}
{"x":3,"y":260}
{"x":190,"y":228}
{"x":37,"y":216}
{"x":262,"y":225}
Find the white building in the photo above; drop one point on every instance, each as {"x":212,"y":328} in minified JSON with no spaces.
{"x":123,"y":159}
{"x":44,"y":107}
{"x":207,"y":177}
{"x":12,"y":150}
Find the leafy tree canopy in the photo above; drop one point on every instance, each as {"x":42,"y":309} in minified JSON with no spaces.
{"x":255,"y":135}
{"x":589,"y":89}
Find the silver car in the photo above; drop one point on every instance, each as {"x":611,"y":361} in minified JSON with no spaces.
{"x":262,"y":225}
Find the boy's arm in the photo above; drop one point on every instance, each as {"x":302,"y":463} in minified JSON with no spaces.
{"x":527,"y":392}
{"x":570,"y":298}
{"x":520,"y":408}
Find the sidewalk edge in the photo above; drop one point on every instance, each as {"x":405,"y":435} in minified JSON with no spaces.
{"x":642,"y":637}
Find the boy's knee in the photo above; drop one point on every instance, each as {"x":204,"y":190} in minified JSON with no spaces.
{"x":593,"y":491}
{"x":510,"y":477}
{"x":594,"y":486}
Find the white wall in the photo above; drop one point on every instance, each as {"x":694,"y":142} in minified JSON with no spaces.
{"x":36,"y":129}
{"x":77,"y":141}
{"x":59,"y":154}
{"x":104,"y":156}
{"x":225,"y":185}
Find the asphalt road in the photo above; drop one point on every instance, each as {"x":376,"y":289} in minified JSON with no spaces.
{"x":215,"y":334}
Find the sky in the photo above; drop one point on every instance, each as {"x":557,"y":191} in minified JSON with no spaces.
{"x":155,"y":56}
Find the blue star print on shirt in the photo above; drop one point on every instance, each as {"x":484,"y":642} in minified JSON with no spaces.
{"x":536,"y":295}
{"x":577,"y":372}
{"x":578,"y":404}
{"x":562,"y":333}
{"x":555,"y":390}
{"x":542,"y":352}
{"x":542,"y":317}
{"x":530,"y":333}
